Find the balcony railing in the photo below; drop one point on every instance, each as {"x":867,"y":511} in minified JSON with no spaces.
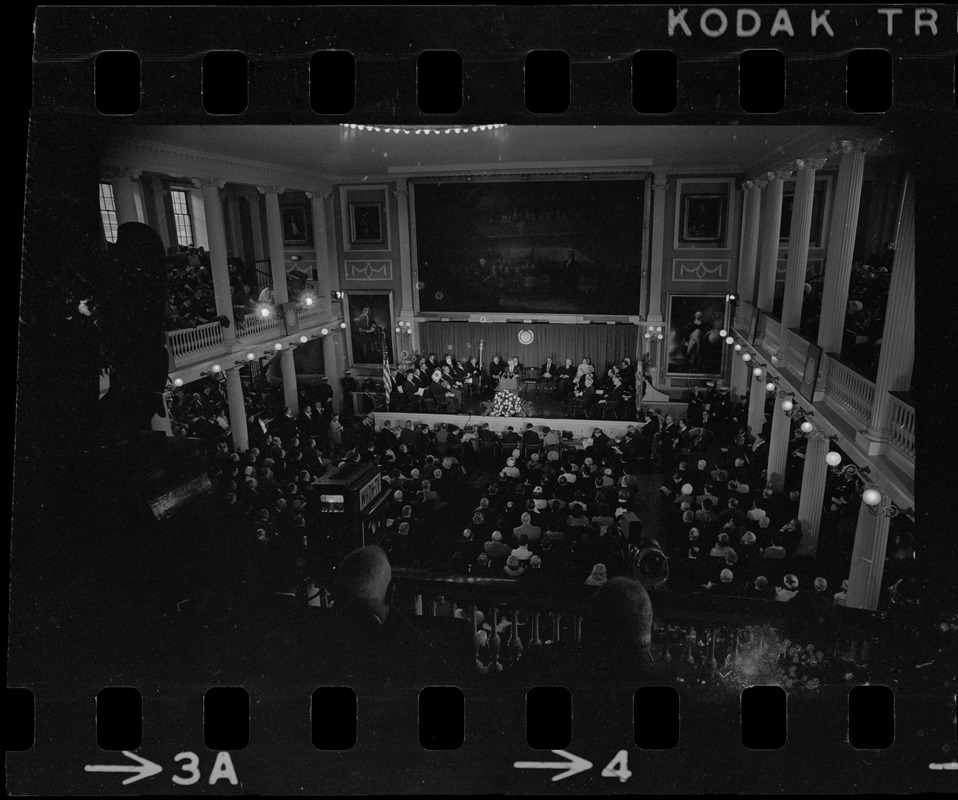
{"x":772,"y":337}
{"x":256,"y":325}
{"x":902,"y":424}
{"x":850,"y":390}
{"x":308,"y":314}
{"x":190,"y":341}
{"x":797,"y":350}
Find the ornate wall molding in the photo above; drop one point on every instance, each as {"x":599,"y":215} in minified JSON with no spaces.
{"x":375,"y":269}
{"x":700,"y":270}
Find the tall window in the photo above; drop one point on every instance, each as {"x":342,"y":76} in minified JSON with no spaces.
{"x":182,"y":218}
{"x":108,"y":211}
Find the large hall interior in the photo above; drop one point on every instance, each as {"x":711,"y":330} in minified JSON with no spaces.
{"x":515,"y":367}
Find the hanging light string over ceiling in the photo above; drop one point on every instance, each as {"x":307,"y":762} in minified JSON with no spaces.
{"x":407,"y":129}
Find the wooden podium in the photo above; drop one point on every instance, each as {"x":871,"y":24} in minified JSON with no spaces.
{"x":509,"y":384}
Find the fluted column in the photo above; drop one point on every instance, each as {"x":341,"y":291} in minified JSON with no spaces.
{"x":812,"y":497}
{"x":290,"y":392}
{"x":127,"y":195}
{"x":777,"y":445}
{"x":324,"y":264}
{"x":799,"y":235}
{"x":259,"y":248}
{"x":868,"y":559}
{"x":756,"y":401}
{"x":159,"y":208}
{"x":740,"y":377}
{"x":769,"y":239}
{"x":237,"y":410}
{"x":660,"y":187}
{"x":897,"y":356}
{"x":274,"y":230}
{"x":333,"y":363}
{"x":216,"y":234}
{"x":407,"y":310}
{"x":159,"y":423}
{"x":751,"y":219}
{"x":841,"y":246}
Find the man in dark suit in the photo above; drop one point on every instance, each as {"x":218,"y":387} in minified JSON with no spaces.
{"x":349,"y":386}
{"x":613,"y":399}
{"x":565,"y":376}
{"x":496,"y":368}
{"x":324,"y":393}
{"x":529,"y":436}
{"x":510,"y":439}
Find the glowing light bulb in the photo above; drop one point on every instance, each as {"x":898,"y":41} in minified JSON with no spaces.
{"x":787,"y":405}
{"x":264,"y":312}
{"x":325,"y":331}
{"x":871,"y":497}
{"x":278,"y":346}
{"x":738,"y":348}
{"x":757,"y":372}
{"x":723,"y":332}
{"x":769,"y":387}
{"x":729,"y":340}
{"x":308,"y":301}
{"x":177,"y":381}
{"x":216,"y":368}
{"x":833,"y":459}
{"x":303,"y":339}
{"x":250,"y":356}
{"x":746,"y":357}
{"x":342,"y":325}
{"x":807,"y":427}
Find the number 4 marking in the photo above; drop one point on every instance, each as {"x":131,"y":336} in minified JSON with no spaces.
{"x":618,"y":767}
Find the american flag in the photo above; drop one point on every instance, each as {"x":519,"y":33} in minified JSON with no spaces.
{"x":387,"y":373}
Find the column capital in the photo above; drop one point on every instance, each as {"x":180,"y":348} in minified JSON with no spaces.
{"x":114,"y":171}
{"x":759,"y":183}
{"x":660,"y":181}
{"x":781,"y":174}
{"x":320,"y":194}
{"x":270,"y":189}
{"x":208,"y":183}
{"x":813,"y":162}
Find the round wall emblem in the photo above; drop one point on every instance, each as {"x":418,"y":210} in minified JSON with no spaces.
{"x":526,"y":337}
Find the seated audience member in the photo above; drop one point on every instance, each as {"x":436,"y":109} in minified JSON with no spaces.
{"x":597,"y":577}
{"x":514,"y":567}
{"x":840,"y":598}
{"x":775,"y":549}
{"x":787,"y":592}
{"x":522,"y":552}
{"x":532,"y":532}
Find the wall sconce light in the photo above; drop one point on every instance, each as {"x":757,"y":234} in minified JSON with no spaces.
{"x":308,"y":300}
{"x":758,"y":372}
{"x":216,"y":368}
{"x":807,"y":427}
{"x":833,"y":458}
{"x":250,"y":356}
{"x":653,"y":333}
{"x":264,"y":311}
{"x":325,"y":331}
{"x":770,"y":387}
{"x":337,"y":295}
{"x":278,"y":346}
{"x":177,"y":381}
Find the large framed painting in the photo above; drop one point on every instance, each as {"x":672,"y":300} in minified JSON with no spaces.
{"x":703,"y":218}
{"x":294,"y":224}
{"x":370,"y":322}
{"x":367,"y":224}
{"x":695,"y":348}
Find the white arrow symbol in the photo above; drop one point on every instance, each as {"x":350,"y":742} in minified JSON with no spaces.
{"x":573,"y":766}
{"x":145,"y":769}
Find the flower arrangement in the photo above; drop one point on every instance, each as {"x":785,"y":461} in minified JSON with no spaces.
{"x":508,"y":404}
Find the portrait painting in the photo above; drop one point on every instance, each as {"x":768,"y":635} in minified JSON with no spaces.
{"x":703,"y":218}
{"x":695,"y":348}
{"x":294,"y":225}
{"x":370,"y":320}
{"x":366,"y":224}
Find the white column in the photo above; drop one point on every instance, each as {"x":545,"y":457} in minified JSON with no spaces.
{"x":237,"y":410}
{"x":812,"y":496}
{"x":841,"y":246}
{"x":407,"y":309}
{"x":216,"y":233}
{"x":799,"y":235}
{"x":660,"y":187}
{"x":756,"y":402}
{"x":259,"y":249}
{"x":333,"y":357}
{"x":897,"y":355}
{"x":159,"y":423}
{"x":235,"y":225}
{"x":159,"y":207}
{"x":290,"y":393}
{"x":751,"y":219}
{"x":868,"y":559}
{"x":324,"y":264}
{"x":740,"y":376}
{"x":777,"y":444}
{"x":769,"y":239}
{"x":126,"y":187}
{"x":274,"y":230}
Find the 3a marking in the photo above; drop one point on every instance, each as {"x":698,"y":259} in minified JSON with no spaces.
{"x":144,"y":768}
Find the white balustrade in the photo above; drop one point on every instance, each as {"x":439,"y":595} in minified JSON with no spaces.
{"x":190,"y":341}
{"x":256,"y":325}
{"x":850,"y":390}
{"x":902,"y":425}
{"x":308,"y":314}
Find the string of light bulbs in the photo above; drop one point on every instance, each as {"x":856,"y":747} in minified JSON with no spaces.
{"x":404,"y":129}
